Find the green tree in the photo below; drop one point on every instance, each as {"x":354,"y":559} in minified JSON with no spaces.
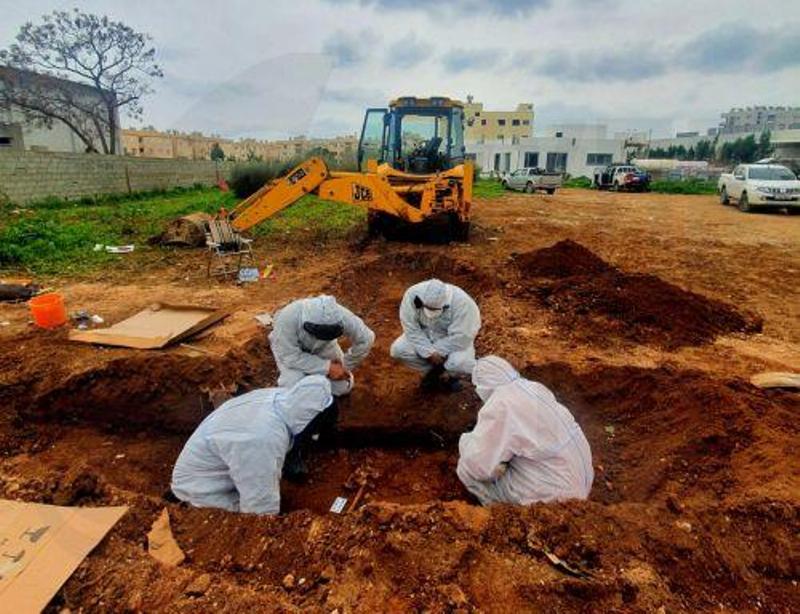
{"x":216,"y":153}
{"x":765,"y":147}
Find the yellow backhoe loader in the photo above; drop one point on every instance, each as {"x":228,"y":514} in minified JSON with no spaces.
{"x":413,"y":174}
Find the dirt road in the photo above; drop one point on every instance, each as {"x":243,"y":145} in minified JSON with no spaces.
{"x":647,"y":319}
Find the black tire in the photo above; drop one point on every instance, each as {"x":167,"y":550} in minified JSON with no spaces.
{"x":504,"y":183}
{"x":551,"y":190}
{"x":529,"y":188}
{"x":723,"y":196}
{"x":744,"y":203}
{"x":615,"y":187}
{"x":459,"y":230}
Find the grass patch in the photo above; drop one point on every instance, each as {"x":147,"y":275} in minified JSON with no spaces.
{"x":488,"y":188}
{"x":578,"y":182}
{"x":687,"y":186}
{"x":57,"y":237}
{"x":314,"y":219}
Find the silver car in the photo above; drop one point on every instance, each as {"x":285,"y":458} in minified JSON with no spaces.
{"x":531,"y":179}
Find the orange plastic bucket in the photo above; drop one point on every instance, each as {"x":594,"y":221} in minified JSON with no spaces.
{"x":48,"y":310}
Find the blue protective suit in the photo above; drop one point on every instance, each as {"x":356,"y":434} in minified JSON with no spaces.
{"x":526,"y":446}
{"x":235,"y":457}
{"x":297,"y":353}
{"x":451,"y":334}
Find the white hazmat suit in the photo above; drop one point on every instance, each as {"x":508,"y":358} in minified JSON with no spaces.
{"x":298,"y":353}
{"x":526,"y":446}
{"x":451,"y":334}
{"x":234,"y":459}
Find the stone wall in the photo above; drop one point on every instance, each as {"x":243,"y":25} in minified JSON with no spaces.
{"x":28,"y":176}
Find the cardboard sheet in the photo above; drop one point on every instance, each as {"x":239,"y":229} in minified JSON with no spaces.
{"x":154,"y":327}
{"x":40,"y":547}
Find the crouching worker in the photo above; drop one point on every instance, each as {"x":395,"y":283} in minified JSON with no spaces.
{"x":440,"y":322}
{"x":304,"y":342}
{"x":526,"y":446}
{"x":234,"y":459}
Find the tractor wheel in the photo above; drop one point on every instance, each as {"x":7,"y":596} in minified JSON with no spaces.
{"x":723,"y":196}
{"x":459,"y":230}
{"x":529,"y":188}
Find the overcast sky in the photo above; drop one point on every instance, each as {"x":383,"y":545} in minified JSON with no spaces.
{"x":270,"y":69}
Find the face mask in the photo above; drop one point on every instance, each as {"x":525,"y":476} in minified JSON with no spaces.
{"x":484,"y":392}
{"x":432,"y":314}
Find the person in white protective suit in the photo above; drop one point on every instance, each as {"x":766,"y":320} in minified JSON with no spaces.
{"x":304,"y":342}
{"x":234,"y":459}
{"x":526,"y":446}
{"x":440,"y":322}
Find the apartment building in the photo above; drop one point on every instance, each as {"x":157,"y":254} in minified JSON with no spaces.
{"x":150,"y":143}
{"x":507,"y":127}
{"x":759,"y":118}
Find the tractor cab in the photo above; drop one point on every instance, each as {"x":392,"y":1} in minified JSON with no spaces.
{"x":414,"y":135}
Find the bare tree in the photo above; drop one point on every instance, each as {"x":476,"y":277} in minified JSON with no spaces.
{"x":68,"y":53}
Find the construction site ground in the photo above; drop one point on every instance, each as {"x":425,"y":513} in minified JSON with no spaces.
{"x":646,"y":319}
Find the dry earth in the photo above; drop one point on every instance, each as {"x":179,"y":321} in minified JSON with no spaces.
{"x":649,"y":334}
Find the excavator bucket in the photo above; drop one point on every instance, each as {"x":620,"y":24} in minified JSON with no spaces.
{"x":279,"y":194}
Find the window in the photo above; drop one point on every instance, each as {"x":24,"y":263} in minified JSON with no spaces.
{"x":497,"y":161}
{"x":5,"y":141}
{"x":531,"y":158}
{"x":515,"y":140}
{"x":526,"y":122}
{"x":559,"y":135}
{"x":515,"y":122}
{"x":557,"y":162}
{"x":506,"y":161}
{"x":501,"y":122}
{"x":483,"y":122}
{"x":598,"y":159}
{"x":477,"y":113}
{"x":500,"y":138}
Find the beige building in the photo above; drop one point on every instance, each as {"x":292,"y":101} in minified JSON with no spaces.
{"x":196,"y":146}
{"x":506,"y":127}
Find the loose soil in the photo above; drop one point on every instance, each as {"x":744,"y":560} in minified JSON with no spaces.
{"x":588,"y":293}
{"x":634,"y":309}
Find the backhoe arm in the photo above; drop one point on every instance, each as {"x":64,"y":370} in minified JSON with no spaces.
{"x":279,"y":194}
{"x":368,"y":190}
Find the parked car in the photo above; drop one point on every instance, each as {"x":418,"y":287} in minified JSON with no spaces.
{"x":622,"y":177}
{"x":759,"y":185}
{"x":530,"y":179}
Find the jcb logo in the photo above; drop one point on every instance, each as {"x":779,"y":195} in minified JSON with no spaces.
{"x":361,"y":193}
{"x":296,"y":176}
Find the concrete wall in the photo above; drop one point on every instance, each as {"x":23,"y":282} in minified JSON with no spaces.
{"x":28,"y":176}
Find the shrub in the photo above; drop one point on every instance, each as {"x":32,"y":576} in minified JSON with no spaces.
{"x":687,"y":186}
{"x":578,"y":182}
{"x":248,"y":177}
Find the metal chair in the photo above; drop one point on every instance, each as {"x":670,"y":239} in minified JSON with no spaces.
{"x":225,"y":244}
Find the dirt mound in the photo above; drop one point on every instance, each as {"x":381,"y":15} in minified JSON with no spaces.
{"x":595,"y":298}
{"x":563,"y":259}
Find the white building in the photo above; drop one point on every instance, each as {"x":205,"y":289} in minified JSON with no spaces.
{"x":576,"y":149}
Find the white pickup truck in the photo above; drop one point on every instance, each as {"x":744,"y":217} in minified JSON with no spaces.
{"x":759,"y":185}
{"x":531,"y":179}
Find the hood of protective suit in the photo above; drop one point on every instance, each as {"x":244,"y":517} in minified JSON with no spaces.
{"x":435,"y":294}
{"x":490,"y":373}
{"x":302,"y":403}
{"x":322,"y":309}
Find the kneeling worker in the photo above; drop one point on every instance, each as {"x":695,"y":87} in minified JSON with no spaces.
{"x":526,"y":446}
{"x":440,"y":322}
{"x":234,"y":459}
{"x":304,"y":342}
